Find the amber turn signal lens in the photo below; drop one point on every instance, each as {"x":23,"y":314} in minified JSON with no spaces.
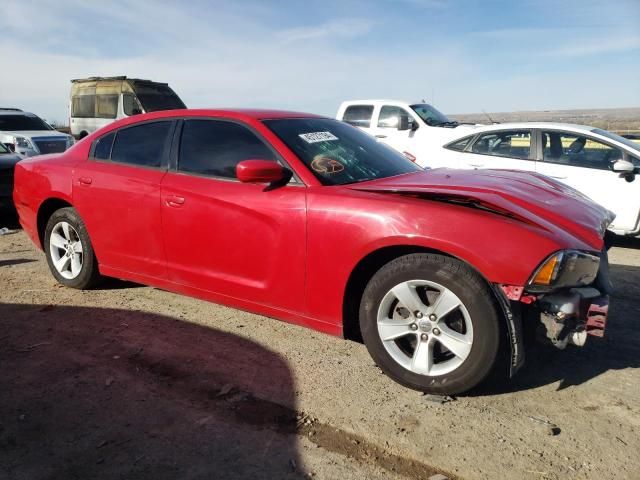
{"x":546,"y":273}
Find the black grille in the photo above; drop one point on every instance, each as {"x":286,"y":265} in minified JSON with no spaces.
{"x":51,"y":145}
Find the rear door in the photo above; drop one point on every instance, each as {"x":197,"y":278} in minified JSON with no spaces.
{"x":117,"y":193}
{"x":506,"y":149}
{"x":240,"y":240}
{"x":585,"y":163}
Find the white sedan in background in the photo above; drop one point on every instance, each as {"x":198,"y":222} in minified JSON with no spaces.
{"x":598,"y":163}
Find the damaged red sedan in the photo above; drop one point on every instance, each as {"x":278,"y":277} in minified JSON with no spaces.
{"x":312,"y":221}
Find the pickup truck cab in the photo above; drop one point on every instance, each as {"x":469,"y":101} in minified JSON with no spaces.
{"x":414,"y":129}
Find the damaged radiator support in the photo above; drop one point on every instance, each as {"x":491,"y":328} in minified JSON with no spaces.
{"x":568,"y":317}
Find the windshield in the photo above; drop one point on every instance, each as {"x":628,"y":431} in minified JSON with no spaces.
{"x":16,"y":123}
{"x":337,"y":153}
{"x":431,"y":116}
{"x":3,"y":149}
{"x":156,"y":96}
{"x":628,"y":142}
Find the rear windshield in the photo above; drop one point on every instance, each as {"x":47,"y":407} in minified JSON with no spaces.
{"x":155,"y":96}
{"x":337,"y":153}
{"x":16,"y":123}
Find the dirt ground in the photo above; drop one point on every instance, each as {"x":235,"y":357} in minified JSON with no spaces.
{"x":133,"y":382}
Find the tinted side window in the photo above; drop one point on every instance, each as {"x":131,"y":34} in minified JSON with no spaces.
{"x":215,"y":147}
{"x":578,"y":151}
{"x":102,"y":148}
{"x":130,"y":104}
{"x":106,"y":106}
{"x":390,"y":116}
{"x":83,"y":106}
{"x":142,"y":145}
{"x":460,"y":145}
{"x":358,"y":115}
{"x":513,"y":144}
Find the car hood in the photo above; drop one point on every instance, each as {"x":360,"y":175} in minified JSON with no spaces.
{"x":34,"y":133}
{"x":529,"y":197}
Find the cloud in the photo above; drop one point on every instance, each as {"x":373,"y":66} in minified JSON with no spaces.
{"x":609,"y":45}
{"x":335,"y":29}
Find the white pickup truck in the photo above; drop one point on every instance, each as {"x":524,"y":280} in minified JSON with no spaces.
{"x":418,"y":130}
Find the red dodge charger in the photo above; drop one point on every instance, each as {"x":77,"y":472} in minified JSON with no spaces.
{"x":309,"y":220}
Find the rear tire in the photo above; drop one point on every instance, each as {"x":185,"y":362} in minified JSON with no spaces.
{"x":431,"y":323}
{"x":69,"y":252}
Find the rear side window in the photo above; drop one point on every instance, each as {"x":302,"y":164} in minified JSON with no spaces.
{"x":460,"y":145}
{"x":358,"y":115}
{"x":513,"y":144}
{"x":102,"y":148}
{"x":215,"y":147}
{"x":83,"y":106}
{"x":142,"y":145}
{"x":107,"y":106}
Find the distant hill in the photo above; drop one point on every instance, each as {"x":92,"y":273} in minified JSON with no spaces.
{"x":620,"y":120}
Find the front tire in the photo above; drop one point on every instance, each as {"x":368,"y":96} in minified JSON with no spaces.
{"x":68,"y":249}
{"x":430,"y":323}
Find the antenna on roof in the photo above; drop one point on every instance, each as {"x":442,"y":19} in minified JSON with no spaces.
{"x":489,"y":117}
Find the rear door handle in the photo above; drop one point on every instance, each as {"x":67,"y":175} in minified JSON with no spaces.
{"x":558,"y":177}
{"x":174,"y":201}
{"x":85,"y":180}
{"x":476,"y":165}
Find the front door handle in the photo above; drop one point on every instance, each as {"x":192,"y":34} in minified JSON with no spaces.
{"x":174,"y":201}
{"x":476,"y":165}
{"x":381,"y":136}
{"x":557,"y":177}
{"x":85,"y":180}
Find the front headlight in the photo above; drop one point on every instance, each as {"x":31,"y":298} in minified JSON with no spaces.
{"x":22,"y":142}
{"x":567,"y":268}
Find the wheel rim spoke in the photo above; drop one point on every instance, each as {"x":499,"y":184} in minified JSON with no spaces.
{"x":77,"y":247}
{"x":456,"y":343}
{"x":58,"y":240}
{"x":390,"y":330}
{"x":76,"y":265}
{"x":408,"y":297}
{"x":65,"y":231}
{"x":62,"y":263}
{"x":445,"y":303}
{"x":422,"y":359}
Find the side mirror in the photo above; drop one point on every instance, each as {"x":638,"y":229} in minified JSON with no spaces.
{"x":403,"y":122}
{"x":136,"y":111}
{"x":623,"y":166}
{"x":261,"y":171}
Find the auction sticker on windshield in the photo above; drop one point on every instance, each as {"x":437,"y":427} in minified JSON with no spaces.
{"x":315,"y":137}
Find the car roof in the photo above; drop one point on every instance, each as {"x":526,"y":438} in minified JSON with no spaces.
{"x":526,"y":125}
{"x":16,"y":112}
{"x":247,"y":113}
{"x":378,"y":100}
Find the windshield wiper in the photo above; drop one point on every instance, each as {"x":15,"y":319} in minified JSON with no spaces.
{"x":452,"y":123}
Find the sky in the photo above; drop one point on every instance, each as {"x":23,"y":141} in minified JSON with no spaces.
{"x":463,"y":56}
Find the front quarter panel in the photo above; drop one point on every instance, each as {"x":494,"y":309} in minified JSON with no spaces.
{"x":344,"y":226}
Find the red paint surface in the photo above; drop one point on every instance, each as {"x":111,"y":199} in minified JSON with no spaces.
{"x":288,"y":252}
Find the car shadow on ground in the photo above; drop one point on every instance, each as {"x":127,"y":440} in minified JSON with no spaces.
{"x":618,"y":350}
{"x":109,"y":393}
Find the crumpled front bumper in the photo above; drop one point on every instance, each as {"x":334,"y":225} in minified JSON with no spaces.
{"x":571,"y":314}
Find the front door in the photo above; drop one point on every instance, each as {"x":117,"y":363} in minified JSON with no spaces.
{"x":241,"y":240}
{"x":386,"y":130}
{"x":585,"y":164}
{"x":117,"y":193}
